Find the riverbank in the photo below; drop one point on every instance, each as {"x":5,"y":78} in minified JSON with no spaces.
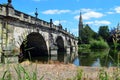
{"x":56,"y":71}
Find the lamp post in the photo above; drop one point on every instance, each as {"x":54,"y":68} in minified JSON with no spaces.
{"x":9,"y":1}
{"x":9,"y":4}
{"x":36,"y":15}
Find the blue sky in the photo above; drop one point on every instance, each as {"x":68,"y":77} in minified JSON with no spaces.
{"x":94,"y":12}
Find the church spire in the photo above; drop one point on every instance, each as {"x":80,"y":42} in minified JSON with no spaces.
{"x":80,"y":24}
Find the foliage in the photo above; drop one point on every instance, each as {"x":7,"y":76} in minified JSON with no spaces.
{"x":84,"y":46}
{"x":104,"y":32}
{"x":79,"y":74}
{"x":86,"y":35}
{"x":98,"y":44}
{"x":21,"y":74}
{"x":103,"y":75}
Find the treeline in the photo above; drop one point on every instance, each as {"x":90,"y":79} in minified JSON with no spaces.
{"x":104,"y":38}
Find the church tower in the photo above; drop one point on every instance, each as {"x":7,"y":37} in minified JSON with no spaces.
{"x":80,"y":24}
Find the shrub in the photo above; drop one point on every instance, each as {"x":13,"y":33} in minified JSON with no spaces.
{"x":84,"y":46}
{"x":98,"y":44}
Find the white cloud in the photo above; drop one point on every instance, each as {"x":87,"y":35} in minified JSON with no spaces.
{"x":55,"y":11}
{"x":117,"y":9}
{"x":99,"y":23}
{"x":83,"y":10}
{"x":89,"y":14}
{"x":77,"y":17}
{"x":90,"y":22}
{"x":110,"y":12}
{"x":92,"y":14}
{"x":56,"y":22}
{"x":74,"y":30}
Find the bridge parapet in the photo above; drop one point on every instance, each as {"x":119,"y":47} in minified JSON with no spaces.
{"x":19,"y":29}
{"x":6,"y":11}
{"x":11,"y":12}
{"x":2,"y":10}
{"x":27,"y":18}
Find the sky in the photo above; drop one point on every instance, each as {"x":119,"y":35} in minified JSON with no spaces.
{"x":95,"y":13}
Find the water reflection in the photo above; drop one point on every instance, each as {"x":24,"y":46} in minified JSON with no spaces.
{"x":61,"y":58}
{"x":96,"y":58}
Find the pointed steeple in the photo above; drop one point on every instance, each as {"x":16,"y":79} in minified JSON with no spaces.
{"x":80,"y":24}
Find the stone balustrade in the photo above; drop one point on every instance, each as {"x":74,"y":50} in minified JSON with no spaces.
{"x":30,"y":19}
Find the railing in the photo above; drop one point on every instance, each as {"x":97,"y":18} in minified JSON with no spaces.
{"x":17,"y":13}
{"x":30,"y":19}
{"x":2,"y":10}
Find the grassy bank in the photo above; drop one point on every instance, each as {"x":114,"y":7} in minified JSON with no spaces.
{"x":33,"y":71}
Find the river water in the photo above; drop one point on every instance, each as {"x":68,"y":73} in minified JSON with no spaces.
{"x":97,"y":58}
{"x":93,"y":58}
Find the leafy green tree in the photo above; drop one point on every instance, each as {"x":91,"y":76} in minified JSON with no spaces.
{"x":87,"y":34}
{"x":104,"y":32}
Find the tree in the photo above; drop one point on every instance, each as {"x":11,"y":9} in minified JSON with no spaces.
{"x":87,"y":34}
{"x":104,"y":32}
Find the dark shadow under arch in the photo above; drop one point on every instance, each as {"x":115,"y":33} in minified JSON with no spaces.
{"x":34,"y":46}
{"x":60,"y":44}
{"x":61,"y":49}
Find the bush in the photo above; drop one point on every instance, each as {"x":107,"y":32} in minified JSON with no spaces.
{"x":84,"y":46}
{"x":98,"y":44}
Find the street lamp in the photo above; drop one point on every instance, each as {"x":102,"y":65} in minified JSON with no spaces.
{"x":36,"y":15}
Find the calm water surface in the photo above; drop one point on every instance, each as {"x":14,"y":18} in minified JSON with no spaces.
{"x":94,"y":58}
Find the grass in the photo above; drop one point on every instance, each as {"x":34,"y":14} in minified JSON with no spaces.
{"x":23,"y":74}
{"x":18,"y":72}
{"x":79,"y":74}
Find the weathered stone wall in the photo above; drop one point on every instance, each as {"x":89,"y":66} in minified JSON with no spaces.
{"x":15,"y":26}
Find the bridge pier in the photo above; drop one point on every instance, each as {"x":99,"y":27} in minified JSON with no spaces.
{"x":53,"y":53}
{"x":74,"y":49}
{"x":17,"y":28}
{"x":68,"y":50}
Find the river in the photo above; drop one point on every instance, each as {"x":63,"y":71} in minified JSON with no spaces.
{"x":93,"y":58}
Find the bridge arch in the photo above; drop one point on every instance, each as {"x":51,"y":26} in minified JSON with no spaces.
{"x":34,"y":46}
{"x":60,"y":44}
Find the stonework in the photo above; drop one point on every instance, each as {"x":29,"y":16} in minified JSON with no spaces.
{"x":15,"y":26}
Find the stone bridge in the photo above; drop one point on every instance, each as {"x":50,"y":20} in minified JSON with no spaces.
{"x":22,"y":33}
